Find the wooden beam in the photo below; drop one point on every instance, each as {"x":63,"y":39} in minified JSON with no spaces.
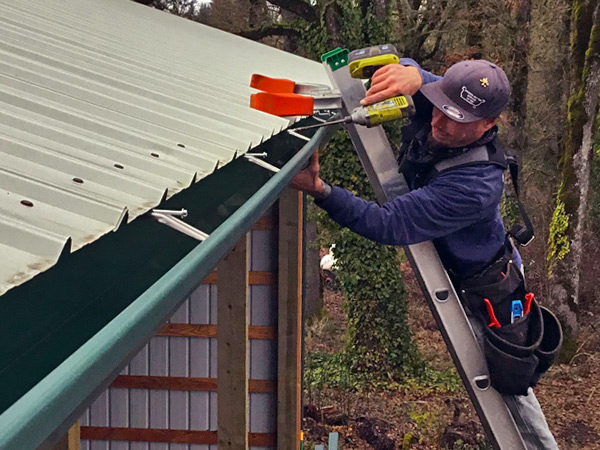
{"x":210,"y":331}
{"x":264,"y":278}
{"x":233,"y":314}
{"x":289,"y":375}
{"x":262,"y":439}
{"x":184,"y":383}
{"x":262,"y":386}
{"x":188,"y":330}
{"x":149,"y":435}
{"x":262,"y":332}
{"x":211,"y":278}
{"x":164,"y":435}
{"x":71,"y":440}
{"x":167,"y":383}
{"x":264,"y":223}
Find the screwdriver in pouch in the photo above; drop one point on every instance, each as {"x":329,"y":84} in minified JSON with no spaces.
{"x":375,"y":114}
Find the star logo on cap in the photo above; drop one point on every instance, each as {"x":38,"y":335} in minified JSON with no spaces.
{"x":484,"y":82}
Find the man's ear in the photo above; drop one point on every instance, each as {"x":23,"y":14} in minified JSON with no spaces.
{"x":489,"y":123}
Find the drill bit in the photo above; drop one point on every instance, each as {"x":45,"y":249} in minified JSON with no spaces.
{"x":324,"y":124}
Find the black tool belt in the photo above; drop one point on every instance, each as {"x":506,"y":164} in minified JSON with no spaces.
{"x":518,"y":348}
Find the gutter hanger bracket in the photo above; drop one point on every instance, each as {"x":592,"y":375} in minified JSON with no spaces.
{"x":297,"y":135}
{"x":170,"y":218}
{"x":183,"y":213}
{"x":261,"y":163}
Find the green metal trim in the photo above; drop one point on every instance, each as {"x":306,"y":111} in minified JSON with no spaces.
{"x":51,"y":406}
{"x":59,"y":310}
{"x":336,"y":58}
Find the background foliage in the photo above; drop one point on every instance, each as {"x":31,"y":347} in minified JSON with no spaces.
{"x":379,"y":345}
{"x":550,"y":50}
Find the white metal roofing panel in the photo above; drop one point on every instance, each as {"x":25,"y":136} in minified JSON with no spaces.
{"x":107,"y":108}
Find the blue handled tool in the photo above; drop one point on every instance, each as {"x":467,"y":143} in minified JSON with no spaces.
{"x":516,"y":310}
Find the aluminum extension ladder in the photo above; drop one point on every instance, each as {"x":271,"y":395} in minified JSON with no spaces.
{"x":378,"y":160}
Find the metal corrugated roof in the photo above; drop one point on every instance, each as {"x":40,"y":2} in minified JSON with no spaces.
{"x":107,"y":108}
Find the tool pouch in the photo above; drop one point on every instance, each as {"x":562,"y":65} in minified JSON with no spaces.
{"x":501,"y":282}
{"x":550,"y":345}
{"x":517,"y":353}
{"x":510,"y":352}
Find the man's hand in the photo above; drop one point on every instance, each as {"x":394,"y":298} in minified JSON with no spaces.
{"x":308,"y":179}
{"x":393,"y":80}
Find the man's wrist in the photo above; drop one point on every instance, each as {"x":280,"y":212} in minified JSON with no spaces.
{"x":322,"y":193}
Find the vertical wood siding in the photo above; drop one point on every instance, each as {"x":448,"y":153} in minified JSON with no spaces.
{"x":194,"y":357}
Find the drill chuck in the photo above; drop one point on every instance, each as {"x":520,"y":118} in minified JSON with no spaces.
{"x":385,"y":111}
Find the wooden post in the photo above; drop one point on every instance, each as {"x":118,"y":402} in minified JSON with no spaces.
{"x":289,"y":376}
{"x":71,"y":440}
{"x":232,"y":356}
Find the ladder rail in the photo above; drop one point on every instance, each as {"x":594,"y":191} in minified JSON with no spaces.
{"x":378,"y":160}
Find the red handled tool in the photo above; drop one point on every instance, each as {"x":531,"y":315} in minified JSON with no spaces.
{"x":490,"y":310}
{"x":528,"y":300}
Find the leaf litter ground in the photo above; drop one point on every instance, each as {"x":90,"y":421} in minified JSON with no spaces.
{"x":415,"y":415}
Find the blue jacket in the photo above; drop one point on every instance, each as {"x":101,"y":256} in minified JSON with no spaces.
{"x":458,"y":210}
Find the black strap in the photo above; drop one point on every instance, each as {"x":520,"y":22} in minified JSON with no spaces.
{"x":522,"y":234}
{"x":492,"y":153}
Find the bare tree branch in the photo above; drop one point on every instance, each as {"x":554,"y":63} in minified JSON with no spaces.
{"x":436,"y":47}
{"x":298,"y":7}
{"x":364,"y":6}
{"x":274,"y":30}
{"x":415,"y":5}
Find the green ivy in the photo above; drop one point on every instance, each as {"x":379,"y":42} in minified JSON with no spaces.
{"x":594,"y":218}
{"x":558,"y":239}
{"x":379,"y":346}
{"x":355,"y":29}
{"x":509,"y":209}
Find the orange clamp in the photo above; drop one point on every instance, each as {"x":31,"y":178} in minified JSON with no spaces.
{"x":274,"y":85}
{"x":282,"y":104}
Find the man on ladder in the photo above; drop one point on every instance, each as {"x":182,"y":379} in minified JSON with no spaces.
{"x":454,"y":202}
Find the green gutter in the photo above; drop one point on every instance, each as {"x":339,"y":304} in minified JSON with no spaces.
{"x":44,"y":413}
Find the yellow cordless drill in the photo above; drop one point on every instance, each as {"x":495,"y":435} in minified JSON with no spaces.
{"x":362,"y":64}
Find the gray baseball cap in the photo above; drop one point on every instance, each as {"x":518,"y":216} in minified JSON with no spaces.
{"x":470,"y":91}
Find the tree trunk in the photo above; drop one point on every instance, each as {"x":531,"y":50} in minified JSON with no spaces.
{"x":568,"y":222}
{"x":473,"y":34}
{"x":333,"y":15}
{"x":289,"y":44}
{"x":517,"y":133}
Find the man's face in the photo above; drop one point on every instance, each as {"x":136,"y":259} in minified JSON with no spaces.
{"x":450,"y":133}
